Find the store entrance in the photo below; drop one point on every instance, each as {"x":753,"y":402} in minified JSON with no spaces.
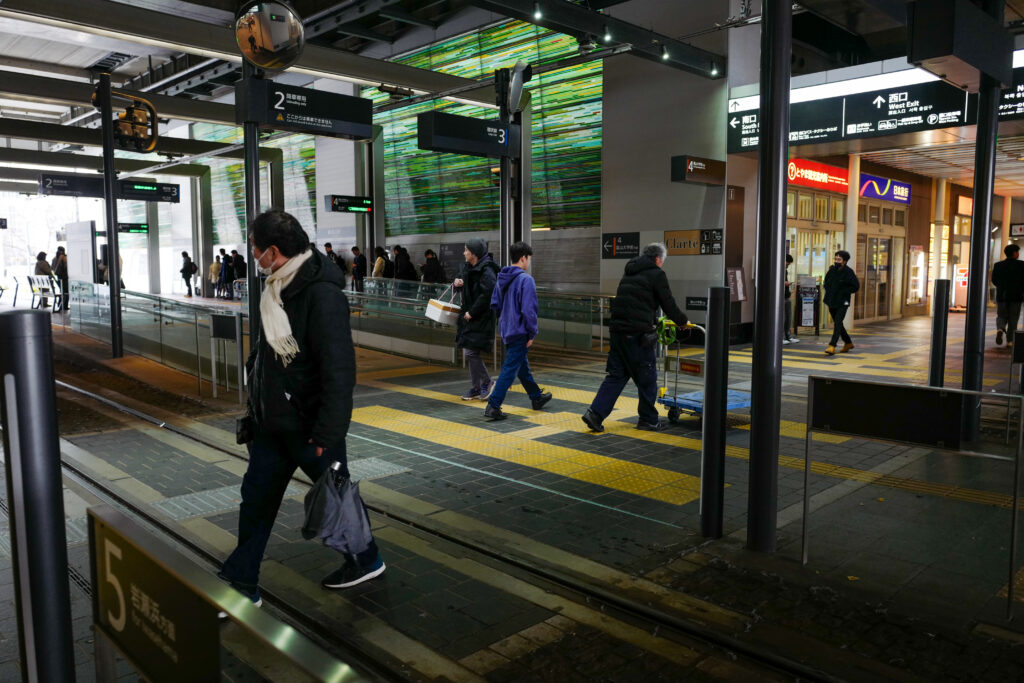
{"x":878,"y":294}
{"x":813,"y":253}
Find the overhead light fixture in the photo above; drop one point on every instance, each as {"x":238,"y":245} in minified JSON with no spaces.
{"x":714,"y":70}
{"x":537,"y":14}
{"x":664,"y":53}
{"x":607,"y":35}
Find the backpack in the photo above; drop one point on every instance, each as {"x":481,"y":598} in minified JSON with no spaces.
{"x":194,"y":267}
{"x":389,"y":268}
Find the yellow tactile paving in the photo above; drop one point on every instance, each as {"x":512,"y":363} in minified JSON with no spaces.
{"x":798,"y":430}
{"x":667,"y":486}
{"x":399,"y":372}
{"x":549,"y":423}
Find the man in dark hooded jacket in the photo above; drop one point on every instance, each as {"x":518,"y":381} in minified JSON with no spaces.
{"x":840,"y":284}
{"x":642,"y":290}
{"x":302,"y":372}
{"x":476,"y":321}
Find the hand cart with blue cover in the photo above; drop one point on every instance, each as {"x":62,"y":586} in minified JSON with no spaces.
{"x":691,"y":402}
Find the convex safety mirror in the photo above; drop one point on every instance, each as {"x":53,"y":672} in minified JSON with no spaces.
{"x":269,"y":35}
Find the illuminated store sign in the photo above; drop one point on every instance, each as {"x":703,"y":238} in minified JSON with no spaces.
{"x":873,"y":187}
{"x":819,"y":176}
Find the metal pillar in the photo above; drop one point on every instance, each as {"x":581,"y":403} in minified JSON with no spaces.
{"x":251,"y":142}
{"x":940,"y":322}
{"x":977,"y":283}
{"x":34,"y":492}
{"x":110,"y":199}
{"x":766,"y":387}
{"x":716,"y":383}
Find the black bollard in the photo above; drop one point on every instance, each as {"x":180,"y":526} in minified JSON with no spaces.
{"x":940,"y":321}
{"x":34,"y":492}
{"x":716,"y":381}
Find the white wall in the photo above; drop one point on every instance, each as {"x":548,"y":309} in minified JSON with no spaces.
{"x":653,"y":112}
{"x":336,"y":173}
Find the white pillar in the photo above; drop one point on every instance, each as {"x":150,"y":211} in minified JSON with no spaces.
{"x":939,"y":187}
{"x":850,"y":238}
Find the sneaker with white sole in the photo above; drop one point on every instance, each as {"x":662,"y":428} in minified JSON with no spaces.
{"x":486,"y":391}
{"x":471,"y":395}
{"x":794,"y":340}
{"x":254,"y":596}
{"x":351,"y":574}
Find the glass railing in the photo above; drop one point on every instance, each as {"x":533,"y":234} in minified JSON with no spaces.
{"x":389,"y":315}
{"x":171,"y":332}
{"x":571,"y":321}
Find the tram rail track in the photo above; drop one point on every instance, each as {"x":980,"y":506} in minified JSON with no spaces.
{"x":653,"y":616}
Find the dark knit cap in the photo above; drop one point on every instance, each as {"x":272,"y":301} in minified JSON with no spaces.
{"x":477,"y":246}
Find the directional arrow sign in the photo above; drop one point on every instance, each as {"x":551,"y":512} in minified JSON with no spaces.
{"x":621,"y":245}
{"x":734,"y":106}
{"x":878,"y":101}
{"x":734,"y":121}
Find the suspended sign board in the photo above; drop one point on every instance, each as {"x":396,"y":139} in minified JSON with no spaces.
{"x":348,"y":204}
{"x":903,"y":109}
{"x":68,"y":185}
{"x":874,"y":187}
{"x":303,"y":110}
{"x":440,"y":132}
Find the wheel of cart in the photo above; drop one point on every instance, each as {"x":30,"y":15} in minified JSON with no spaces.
{"x":693,"y":402}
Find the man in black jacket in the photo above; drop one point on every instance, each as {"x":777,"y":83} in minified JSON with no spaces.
{"x":302,"y":372}
{"x":186,"y":273}
{"x":475,"y":333}
{"x":358,"y":269}
{"x":642,"y":290}
{"x":840,"y":283}
{"x":1008,"y":277}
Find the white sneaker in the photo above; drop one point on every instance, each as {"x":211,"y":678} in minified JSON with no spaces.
{"x":785,"y":341}
{"x":794,"y":340}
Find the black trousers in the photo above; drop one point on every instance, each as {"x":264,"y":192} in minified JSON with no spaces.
{"x":838,"y":329}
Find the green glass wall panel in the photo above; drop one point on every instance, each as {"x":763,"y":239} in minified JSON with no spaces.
{"x":428,"y":192}
{"x":228,"y":181}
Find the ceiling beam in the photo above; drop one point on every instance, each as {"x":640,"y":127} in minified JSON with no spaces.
{"x":58,"y":91}
{"x":579,"y":21}
{"x":364,"y":33}
{"x":326,"y":22}
{"x":174,"y":32}
{"x":95,"y":163}
{"x":399,"y":14}
{"x":75,"y":135}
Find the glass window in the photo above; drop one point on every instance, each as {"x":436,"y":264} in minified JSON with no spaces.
{"x":899,"y":217}
{"x":962,"y":225}
{"x":862,"y":213}
{"x":820,"y":208}
{"x":838,"y":210}
{"x":805,"y":206}
{"x":791,"y":204}
{"x":874,"y":214}
{"x":886,"y":216}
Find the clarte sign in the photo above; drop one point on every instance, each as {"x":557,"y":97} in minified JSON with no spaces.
{"x":874,"y":187}
{"x":818,"y":176}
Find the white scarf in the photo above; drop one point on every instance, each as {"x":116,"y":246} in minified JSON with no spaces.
{"x":276,"y":328}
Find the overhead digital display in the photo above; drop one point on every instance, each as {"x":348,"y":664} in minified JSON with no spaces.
{"x":67,"y":185}
{"x":348,"y":204}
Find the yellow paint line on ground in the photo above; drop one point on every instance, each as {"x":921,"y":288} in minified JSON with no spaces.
{"x":798,"y":430}
{"x":651,"y":482}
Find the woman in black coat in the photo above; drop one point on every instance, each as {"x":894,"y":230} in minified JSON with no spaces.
{"x":476,"y":320}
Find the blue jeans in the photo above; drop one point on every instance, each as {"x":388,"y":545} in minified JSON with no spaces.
{"x":627,"y":360}
{"x":516,"y":365}
{"x":273,"y":459}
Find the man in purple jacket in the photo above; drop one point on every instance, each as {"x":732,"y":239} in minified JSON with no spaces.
{"x":515,"y":300}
